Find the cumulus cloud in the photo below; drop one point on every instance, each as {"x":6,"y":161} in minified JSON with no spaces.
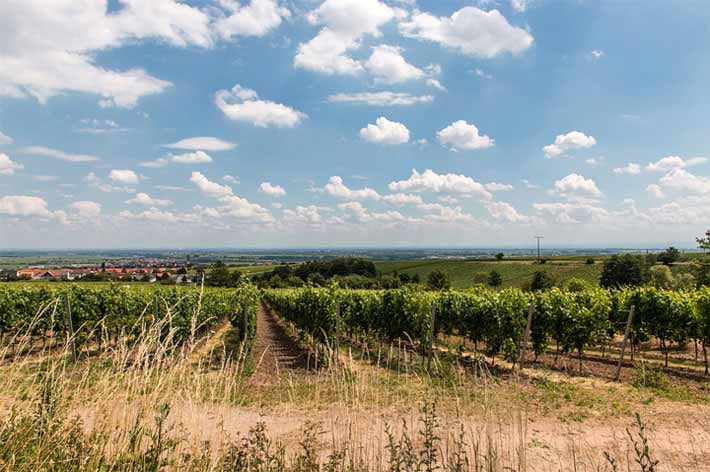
{"x":202,"y":143}
{"x":470,"y":30}
{"x":243,"y":209}
{"x":385,"y":131}
{"x":197,"y":157}
{"x":124,"y":176}
{"x":682,"y":180}
{"x":146,"y":200}
{"x":388,"y":66}
{"x":656,"y":191}
{"x":86,"y":209}
{"x":402,"y":199}
{"x":95,"y":181}
{"x":344,"y":23}
{"x":50,"y":48}
{"x":462,"y":136}
{"x":258,"y":18}
{"x":231,"y":179}
{"x":519,"y":5}
{"x":568,"y":142}
{"x":24,"y":206}
{"x":5,"y":139}
{"x":674,"y":162}
{"x":8,"y":166}
{"x":430,"y":181}
{"x":503,"y":211}
{"x":381,"y":99}
{"x":243,"y":104}
{"x":575,"y":186}
{"x":630,"y":168}
{"x":58,"y":154}
{"x":498,"y":187}
{"x":272,"y":190}
{"x":336,"y":188}
{"x":209,"y":188}
{"x":565,"y":213}
{"x":152,"y":215}
{"x":308,"y":215}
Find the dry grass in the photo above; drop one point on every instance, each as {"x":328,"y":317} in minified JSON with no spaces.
{"x":156,"y":405}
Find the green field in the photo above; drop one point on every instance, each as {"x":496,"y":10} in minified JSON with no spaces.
{"x":465,"y":274}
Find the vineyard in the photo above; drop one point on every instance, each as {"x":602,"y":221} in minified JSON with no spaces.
{"x":102,"y":314}
{"x":497,"y":320}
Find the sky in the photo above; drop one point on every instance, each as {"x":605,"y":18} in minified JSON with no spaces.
{"x":336,"y":123}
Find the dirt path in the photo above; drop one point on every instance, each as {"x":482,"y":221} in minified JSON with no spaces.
{"x":274,"y":351}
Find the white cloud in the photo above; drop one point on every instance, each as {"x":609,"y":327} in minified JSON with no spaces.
{"x":197,"y":157}
{"x":24,"y":206}
{"x":231,"y":179}
{"x":152,"y":215}
{"x":519,"y":5}
{"x":202,"y":143}
{"x":363,"y":215}
{"x":8,"y":166}
{"x":243,"y":209}
{"x":656,"y":191}
{"x":682,"y":180}
{"x":674,"y":162}
{"x":402,"y":199}
{"x":382,"y":99}
{"x":568,"y":142}
{"x":482,"y":74}
{"x":123,"y":176}
{"x":86,"y":209}
{"x":470,"y":30}
{"x":595,"y":161}
{"x":462,"y":136}
{"x":58,"y":154}
{"x":258,"y":18}
{"x":209,"y":188}
{"x":497,"y":187}
{"x":438,"y":213}
{"x":575,"y":186}
{"x":388,"y":66}
{"x":242,"y":104}
{"x":272,"y":190}
{"x":385,"y":131}
{"x":308,"y":215}
{"x":5,"y":139}
{"x":146,"y":200}
{"x":597,"y":54}
{"x":344,"y":23}
{"x":430,"y":181}
{"x":50,"y":48}
{"x":566,"y":213}
{"x":336,"y":188}
{"x":503,"y":211}
{"x":631,"y":168}
{"x":95,"y":181}
{"x":95,"y":126}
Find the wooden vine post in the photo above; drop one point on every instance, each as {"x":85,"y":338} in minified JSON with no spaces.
{"x":432,"y":327}
{"x":338,"y":314}
{"x":69,"y":327}
{"x":526,"y":336}
{"x":627,"y":331}
{"x":245,"y":315}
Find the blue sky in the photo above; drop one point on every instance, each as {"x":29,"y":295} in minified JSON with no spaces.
{"x":265,"y":123}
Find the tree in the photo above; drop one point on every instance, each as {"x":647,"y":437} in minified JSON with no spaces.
{"x":661,"y":277}
{"x":220,"y":276}
{"x":701,"y":271}
{"x":624,"y":270}
{"x":704,"y":242}
{"x":590,"y":261}
{"x":500,"y":256}
{"x":495,"y":279}
{"x":669,"y":256}
{"x":438,"y":280}
{"x":541,"y":281}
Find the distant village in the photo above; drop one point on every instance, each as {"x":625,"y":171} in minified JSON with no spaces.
{"x":177,"y":275}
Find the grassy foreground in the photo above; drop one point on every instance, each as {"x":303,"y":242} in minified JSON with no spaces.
{"x":159,"y":406}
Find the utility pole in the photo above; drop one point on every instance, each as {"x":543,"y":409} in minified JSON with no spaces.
{"x":538,"y":247}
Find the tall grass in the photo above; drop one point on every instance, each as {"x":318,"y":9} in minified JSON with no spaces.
{"x":149,"y":404}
